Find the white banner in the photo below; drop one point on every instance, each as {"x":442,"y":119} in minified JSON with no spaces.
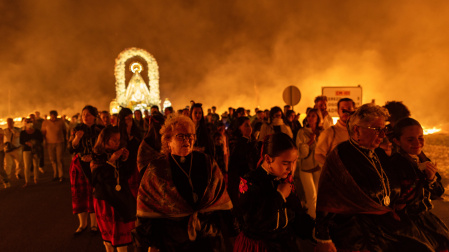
{"x":334,"y":94}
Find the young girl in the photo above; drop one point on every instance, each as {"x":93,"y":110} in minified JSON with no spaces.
{"x":420,"y":183}
{"x":115,"y":206}
{"x":267,"y":205}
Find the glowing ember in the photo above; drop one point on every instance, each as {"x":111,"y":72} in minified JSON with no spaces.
{"x":431,"y":131}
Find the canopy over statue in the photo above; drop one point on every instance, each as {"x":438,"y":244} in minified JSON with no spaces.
{"x":137,"y":94}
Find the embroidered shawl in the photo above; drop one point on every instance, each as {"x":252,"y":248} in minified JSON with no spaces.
{"x":339,"y":193}
{"x":158,"y":197}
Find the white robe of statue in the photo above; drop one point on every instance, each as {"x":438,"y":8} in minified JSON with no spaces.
{"x":137,"y":90}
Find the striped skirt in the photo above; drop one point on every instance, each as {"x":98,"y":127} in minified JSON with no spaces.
{"x":82,"y":192}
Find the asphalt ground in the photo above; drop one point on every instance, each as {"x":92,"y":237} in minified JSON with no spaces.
{"x":39,"y":217}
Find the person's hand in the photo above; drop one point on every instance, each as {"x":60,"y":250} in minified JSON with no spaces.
{"x":325,"y":247}
{"x":387,"y":146}
{"x":79,"y":134}
{"x":125,"y":154}
{"x":86,"y":158}
{"x":116,"y":155}
{"x":431,"y":170}
{"x":285,"y":188}
{"x":29,"y":144}
{"x":150,"y":249}
{"x":312,"y":139}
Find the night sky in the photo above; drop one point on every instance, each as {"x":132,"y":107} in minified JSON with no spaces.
{"x":60,"y":55}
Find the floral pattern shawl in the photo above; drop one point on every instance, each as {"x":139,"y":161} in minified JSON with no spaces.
{"x":158,"y":197}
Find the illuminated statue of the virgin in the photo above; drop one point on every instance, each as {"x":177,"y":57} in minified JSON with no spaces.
{"x":137,"y":90}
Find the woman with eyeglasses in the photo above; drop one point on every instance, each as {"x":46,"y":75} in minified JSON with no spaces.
{"x":356,"y":193}
{"x":182,"y":203}
{"x":420,"y":184}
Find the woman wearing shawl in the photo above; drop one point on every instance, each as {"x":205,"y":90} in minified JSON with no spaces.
{"x":81,"y":144}
{"x":182,"y":197}
{"x":420,"y":184}
{"x":270,"y":213}
{"x":115,"y":205}
{"x":356,"y":194}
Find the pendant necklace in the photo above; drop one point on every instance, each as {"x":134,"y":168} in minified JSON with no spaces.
{"x":386,"y":191}
{"x":195,"y":196}
{"x":117,"y":175}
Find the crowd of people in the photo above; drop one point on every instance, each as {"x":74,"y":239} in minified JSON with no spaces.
{"x":187,"y":180}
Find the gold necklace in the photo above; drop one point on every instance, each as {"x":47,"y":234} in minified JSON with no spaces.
{"x":195,"y":196}
{"x":118,"y":187}
{"x":386,"y":191}
{"x":117,"y":174}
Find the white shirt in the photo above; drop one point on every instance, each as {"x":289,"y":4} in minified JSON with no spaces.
{"x":267,"y":129}
{"x":329,"y":139}
{"x":12,"y":136}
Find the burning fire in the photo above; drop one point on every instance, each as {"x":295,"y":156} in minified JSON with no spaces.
{"x":429,"y":131}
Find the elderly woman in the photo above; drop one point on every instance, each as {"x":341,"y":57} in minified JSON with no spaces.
{"x":182,"y":196}
{"x":355,"y":193}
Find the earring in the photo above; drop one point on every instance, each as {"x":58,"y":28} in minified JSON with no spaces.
{"x":269,"y":168}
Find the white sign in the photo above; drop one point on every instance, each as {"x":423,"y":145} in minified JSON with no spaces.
{"x":334,"y":94}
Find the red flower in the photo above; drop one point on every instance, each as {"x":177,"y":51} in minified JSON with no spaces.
{"x":243,"y":186}
{"x":289,"y":179}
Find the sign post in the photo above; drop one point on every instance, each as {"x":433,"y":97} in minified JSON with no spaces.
{"x":291,"y":95}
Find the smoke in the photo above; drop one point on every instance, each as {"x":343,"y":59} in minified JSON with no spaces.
{"x":61,"y":54}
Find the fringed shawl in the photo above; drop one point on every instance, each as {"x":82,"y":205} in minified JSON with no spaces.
{"x":159,"y":198}
{"x":339,"y":193}
{"x":145,"y":155}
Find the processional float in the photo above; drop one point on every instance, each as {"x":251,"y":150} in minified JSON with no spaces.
{"x":137,"y":95}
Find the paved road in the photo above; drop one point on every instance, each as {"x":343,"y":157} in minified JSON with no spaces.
{"x":39,"y":218}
